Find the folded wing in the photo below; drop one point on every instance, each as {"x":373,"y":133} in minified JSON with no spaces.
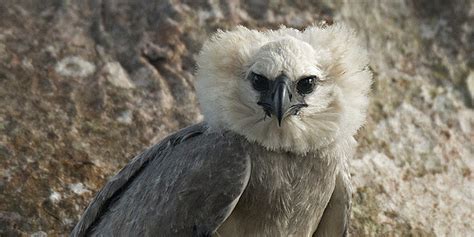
{"x":187,"y":185}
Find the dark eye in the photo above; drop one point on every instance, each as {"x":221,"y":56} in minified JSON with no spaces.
{"x":259,"y":82}
{"x":306,"y":85}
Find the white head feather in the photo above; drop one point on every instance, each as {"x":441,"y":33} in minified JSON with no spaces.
{"x":336,"y":108}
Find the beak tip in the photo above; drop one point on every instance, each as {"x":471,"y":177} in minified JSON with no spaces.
{"x":279,"y":121}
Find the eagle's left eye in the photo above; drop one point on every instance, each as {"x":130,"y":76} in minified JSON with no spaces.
{"x":259,"y":82}
{"x":306,"y":85}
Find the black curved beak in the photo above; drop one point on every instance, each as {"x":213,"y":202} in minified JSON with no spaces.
{"x":277,"y":99}
{"x":281,"y":97}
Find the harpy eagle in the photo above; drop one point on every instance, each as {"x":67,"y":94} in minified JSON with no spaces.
{"x":270,"y":158}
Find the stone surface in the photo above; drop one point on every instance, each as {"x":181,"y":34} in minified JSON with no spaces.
{"x":72,"y":66}
{"x":86,"y":85}
{"x":117,"y":76}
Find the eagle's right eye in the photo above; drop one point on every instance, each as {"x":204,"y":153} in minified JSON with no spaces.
{"x":306,"y":85}
{"x":259,"y":82}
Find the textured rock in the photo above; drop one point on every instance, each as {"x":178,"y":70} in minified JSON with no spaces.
{"x":470,"y":85}
{"x":86,"y":85}
{"x":70,"y":67}
{"x":117,"y":76}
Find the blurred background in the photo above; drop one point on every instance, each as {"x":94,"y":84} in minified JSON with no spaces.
{"x":87,"y":85}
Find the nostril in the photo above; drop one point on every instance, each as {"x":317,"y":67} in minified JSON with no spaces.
{"x":291,"y":96}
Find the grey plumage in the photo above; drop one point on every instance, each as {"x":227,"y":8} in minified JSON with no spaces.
{"x":286,"y":195}
{"x":169,"y":189}
{"x":190,"y":183}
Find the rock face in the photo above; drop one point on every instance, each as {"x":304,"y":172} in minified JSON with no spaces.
{"x":86,"y":85}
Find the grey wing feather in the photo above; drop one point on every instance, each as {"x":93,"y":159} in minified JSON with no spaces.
{"x":186,"y":185}
{"x":336,"y":216}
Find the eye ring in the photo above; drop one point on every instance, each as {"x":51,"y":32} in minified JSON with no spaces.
{"x":306,"y":85}
{"x":259,"y":82}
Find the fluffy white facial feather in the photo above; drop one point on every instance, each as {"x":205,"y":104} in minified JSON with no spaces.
{"x":335,"y":108}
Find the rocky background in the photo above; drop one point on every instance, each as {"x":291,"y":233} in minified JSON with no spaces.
{"x":86,"y":85}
